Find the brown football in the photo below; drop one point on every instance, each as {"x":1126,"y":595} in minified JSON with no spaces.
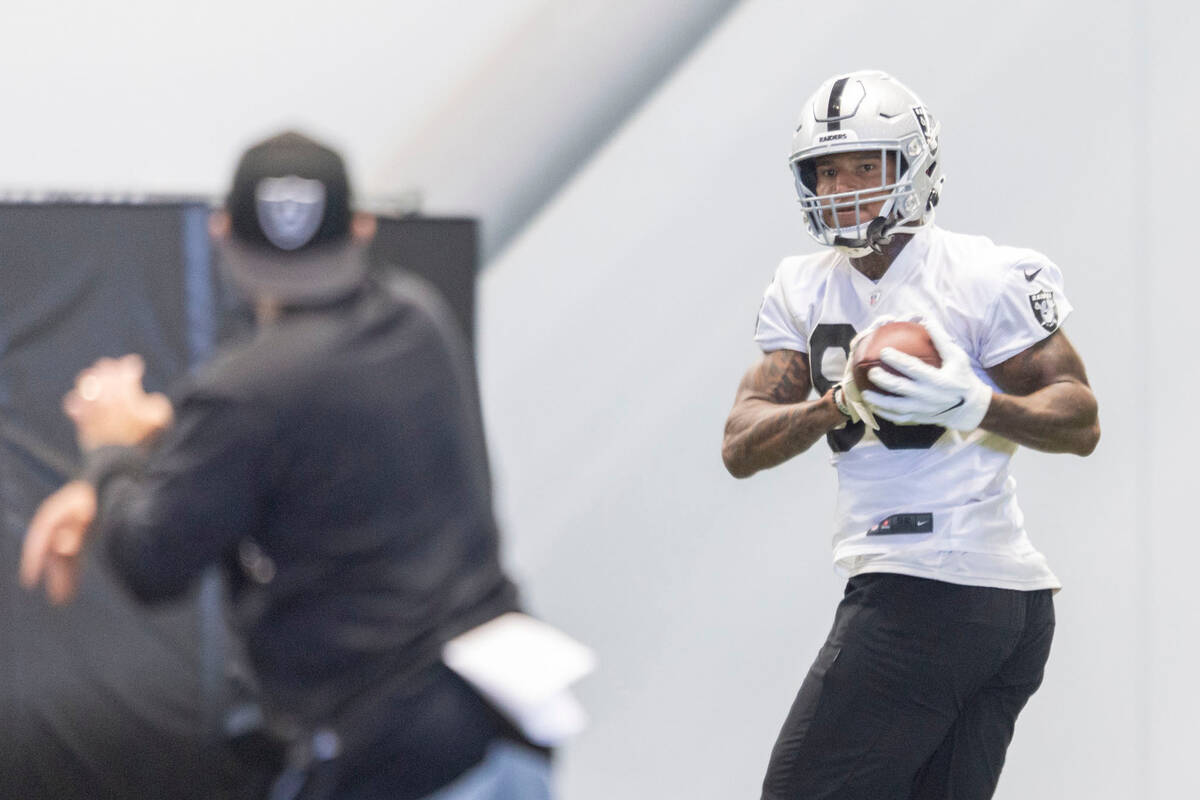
{"x":907,"y":337}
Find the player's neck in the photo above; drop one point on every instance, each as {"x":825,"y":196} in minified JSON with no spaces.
{"x":874,"y":265}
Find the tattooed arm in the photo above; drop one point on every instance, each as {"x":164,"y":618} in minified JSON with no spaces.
{"x":772,"y":419}
{"x":1047,"y":403}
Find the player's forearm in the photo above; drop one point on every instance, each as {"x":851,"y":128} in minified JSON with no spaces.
{"x":1059,"y":418}
{"x":760,"y":434}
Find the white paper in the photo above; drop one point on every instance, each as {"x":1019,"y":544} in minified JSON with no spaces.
{"x":525,"y":668}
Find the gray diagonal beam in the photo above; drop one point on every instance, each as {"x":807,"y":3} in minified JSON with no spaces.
{"x":540,"y":104}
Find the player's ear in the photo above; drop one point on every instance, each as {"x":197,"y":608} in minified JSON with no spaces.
{"x":363,"y":227}
{"x":219,"y":224}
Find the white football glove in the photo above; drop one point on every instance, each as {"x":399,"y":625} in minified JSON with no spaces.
{"x":849,"y":399}
{"x":846,"y":394}
{"x":952,"y":396}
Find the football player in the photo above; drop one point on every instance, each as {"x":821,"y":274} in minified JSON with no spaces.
{"x":947,"y":618}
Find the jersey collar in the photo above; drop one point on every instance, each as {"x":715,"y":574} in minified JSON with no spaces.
{"x":870,"y":292}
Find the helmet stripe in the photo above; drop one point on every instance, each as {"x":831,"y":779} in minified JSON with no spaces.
{"x":835,"y":105}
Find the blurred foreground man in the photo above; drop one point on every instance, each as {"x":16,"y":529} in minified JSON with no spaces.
{"x":335,"y":466}
{"x":947,"y":618}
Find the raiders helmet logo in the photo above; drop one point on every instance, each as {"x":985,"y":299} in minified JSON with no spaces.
{"x":290,"y":210}
{"x":1044,"y":309}
{"x":923,"y":120}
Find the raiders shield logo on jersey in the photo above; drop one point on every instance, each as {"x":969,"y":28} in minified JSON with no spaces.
{"x":290,"y":210}
{"x":1044,"y":309}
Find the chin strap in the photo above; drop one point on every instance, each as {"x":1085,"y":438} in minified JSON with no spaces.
{"x":879,"y":236}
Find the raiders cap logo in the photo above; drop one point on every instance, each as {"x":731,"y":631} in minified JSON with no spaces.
{"x":290,"y":210}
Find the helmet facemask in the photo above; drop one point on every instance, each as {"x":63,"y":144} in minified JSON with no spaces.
{"x":863,"y":233}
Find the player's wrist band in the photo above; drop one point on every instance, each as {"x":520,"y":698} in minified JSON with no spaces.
{"x":839,"y":400}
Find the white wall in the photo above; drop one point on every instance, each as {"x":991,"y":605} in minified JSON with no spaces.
{"x":161,"y":97}
{"x":615,"y":329}
{"x":1162,"y":383}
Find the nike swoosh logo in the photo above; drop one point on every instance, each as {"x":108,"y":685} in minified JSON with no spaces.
{"x":922,"y":522}
{"x":1029,"y":276}
{"x":961,"y":400}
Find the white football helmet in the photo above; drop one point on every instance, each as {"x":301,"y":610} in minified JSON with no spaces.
{"x":868,"y":110}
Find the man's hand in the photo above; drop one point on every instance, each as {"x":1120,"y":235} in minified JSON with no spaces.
{"x":54,"y":541}
{"x":846,"y":393}
{"x":850,"y":401}
{"x":109,"y":406}
{"x":952,"y":395}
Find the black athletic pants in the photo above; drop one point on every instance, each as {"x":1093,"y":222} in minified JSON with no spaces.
{"x":915,"y":693}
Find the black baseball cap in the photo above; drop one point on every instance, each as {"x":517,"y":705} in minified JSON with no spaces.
{"x":290,"y":213}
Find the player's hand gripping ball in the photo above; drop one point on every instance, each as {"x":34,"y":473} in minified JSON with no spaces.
{"x":908,"y":337}
{"x":929,"y":382}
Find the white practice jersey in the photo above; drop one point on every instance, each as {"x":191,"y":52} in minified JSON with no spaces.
{"x":920,"y":499}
